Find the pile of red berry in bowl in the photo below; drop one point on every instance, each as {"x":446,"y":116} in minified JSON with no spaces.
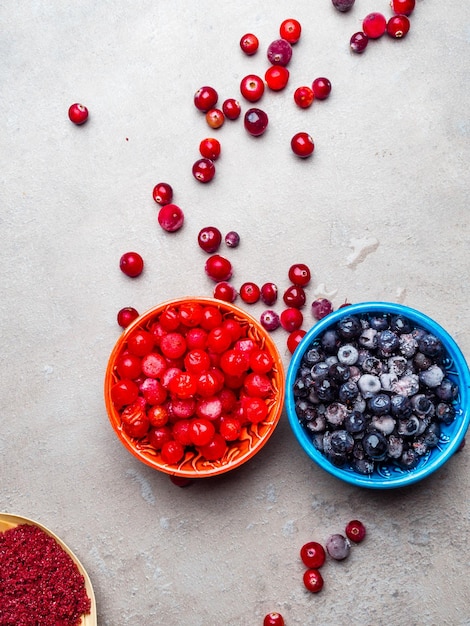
{"x":377,"y":394}
{"x":194,"y":387}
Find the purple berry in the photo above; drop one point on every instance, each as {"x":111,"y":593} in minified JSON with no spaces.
{"x":358,"y":42}
{"x":232,"y":239}
{"x":343,"y":5}
{"x":270,"y":320}
{"x":321,"y":307}
{"x":338,"y":547}
{"x":256,"y":121}
{"x":279,"y":52}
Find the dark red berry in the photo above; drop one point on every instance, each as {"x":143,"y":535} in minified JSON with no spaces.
{"x":304,"y":97}
{"x":205,"y":98}
{"x":131,"y":264}
{"x":313,"y":580}
{"x":358,"y":42}
{"x":225,"y":291}
{"x":256,"y":121}
{"x":279,"y":52}
{"x":276,"y":77}
{"x":162,"y":193}
{"x":398,"y":26}
{"x":209,"y":239}
{"x":299,"y":274}
{"x":269,"y":293}
{"x":171,"y":218}
{"x":249,"y":44}
{"x":203,"y":170}
{"x":210,"y":148}
{"x":291,"y":319}
{"x":302,"y":145}
{"x":294,"y":296}
{"x":126,"y":316}
{"x":374,"y":25}
{"x":78,"y":113}
{"x":270,"y":320}
{"x":231,"y":108}
{"x":321,"y":88}
{"x":355,"y":531}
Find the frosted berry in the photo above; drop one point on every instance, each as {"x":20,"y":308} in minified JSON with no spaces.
{"x":256,"y":122}
{"x":290,"y":30}
{"x":358,"y":42}
{"x":249,"y":44}
{"x":78,"y":113}
{"x":270,"y":320}
{"x":218,"y":268}
{"x":126,"y":316}
{"x":398,"y":26}
{"x":403,"y":7}
{"x":279,"y":52}
{"x":131,"y":264}
{"x":374,"y":25}
{"x":302,"y":145}
{"x":171,"y":218}
{"x":321,"y":307}
{"x":205,"y":98}
{"x":232,"y":239}
{"x":355,"y":531}
{"x":343,"y":5}
{"x":321,"y":88}
{"x":338,"y":547}
{"x":203,"y":170}
{"x":162,"y":193}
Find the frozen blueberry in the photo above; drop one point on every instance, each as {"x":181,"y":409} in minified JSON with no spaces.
{"x":432,"y":434}
{"x":422,"y":405}
{"x":320,"y":371}
{"x":421,"y":361}
{"x":349,"y":328}
{"x":372,"y":365}
{"x":395,"y":446}
{"x":400,"y":406}
{"x":330,"y":341}
{"x":447,"y":390}
{"x":335,"y":413}
{"x":409,"y":427}
{"x":445,"y":413}
{"x":375,"y":445}
{"x":409,"y":459}
{"x":338,"y":547}
{"x":326,"y":390}
{"x":383,"y":423}
{"x":430,"y":345}
{"x":379,"y":322}
{"x":348,"y":354}
{"x":400,"y":324}
{"x":312,"y":356}
{"x":339,"y":372}
{"x":363,"y":466}
{"x":379,"y":404}
{"x":348,"y":392}
{"x":369,"y":385}
{"x":342,"y":442}
{"x":432,"y":377}
{"x":387,"y":342}
{"x":355,"y":422}
{"x":368,"y":338}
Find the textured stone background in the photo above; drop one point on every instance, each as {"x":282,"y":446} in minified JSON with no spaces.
{"x":380,"y":212}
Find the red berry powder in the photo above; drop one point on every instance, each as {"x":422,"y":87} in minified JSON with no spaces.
{"x":39,"y":581}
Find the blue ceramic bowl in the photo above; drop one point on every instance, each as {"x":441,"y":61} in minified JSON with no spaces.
{"x":388,"y":475}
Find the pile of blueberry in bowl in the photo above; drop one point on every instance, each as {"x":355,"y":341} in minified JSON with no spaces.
{"x":377,"y":394}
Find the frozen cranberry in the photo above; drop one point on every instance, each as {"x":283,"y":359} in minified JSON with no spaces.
{"x":358,"y":42}
{"x":313,"y":580}
{"x":252,"y":87}
{"x":78,"y":113}
{"x":321,"y":307}
{"x":171,"y":218}
{"x":256,"y":122}
{"x":209,"y":239}
{"x":291,"y":319}
{"x":303,"y":97}
{"x":162,"y":193}
{"x":403,"y":7}
{"x":210,"y":148}
{"x":299,"y":274}
{"x":279,"y":52}
{"x":126,"y":316}
{"x":225,"y":291}
{"x":374,"y":25}
{"x":269,"y":293}
{"x":215,"y":118}
{"x":313,"y":554}
{"x":294,"y":339}
{"x":276,"y":77}
{"x":205,"y":98}
{"x":218,"y":268}
{"x":131,"y":264}
{"x":250,"y":293}
{"x":294,"y":296}
{"x":302,"y":145}
{"x":232,"y":239}
{"x":355,"y":531}
{"x":203,"y":170}
{"x":270,"y":320}
{"x":249,"y":44}
{"x":338,"y":547}
{"x":231,"y":109}
{"x":398,"y":26}
{"x":321,"y":88}
{"x":290,"y":30}
{"x":273,"y":619}
{"x":343,"y":5}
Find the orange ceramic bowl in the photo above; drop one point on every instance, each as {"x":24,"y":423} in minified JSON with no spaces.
{"x":253,"y":436}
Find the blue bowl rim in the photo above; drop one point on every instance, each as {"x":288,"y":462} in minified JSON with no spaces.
{"x":420,"y":319}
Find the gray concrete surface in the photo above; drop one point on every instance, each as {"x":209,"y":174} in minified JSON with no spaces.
{"x":379,"y":212}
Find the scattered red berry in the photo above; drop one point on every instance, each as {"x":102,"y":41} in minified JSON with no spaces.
{"x":358,"y":42}
{"x":250,"y":293}
{"x":256,"y":122}
{"x":294,"y":339}
{"x":215,"y":118}
{"x":313,"y":554}
{"x":162,"y":193}
{"x":276,"y":77}
{"x":270,"y":320}
{"x":398,"y":26}
{"x":299,"y":274}
{"x":290,"y":30}
{"x":231,"y":109}
{"x":210,"y":148}
{"x":295,"y":296}
{"x":321,"y":307}
{"x":249,"y":44}
{"x":171,"y":218}
{"x":291,"y":319}
{"x":279,"y":52}
{"x":131,"y":264}
{"x":403,"y":7}
{"x":273,"y":619}
{"x":269,"y":293}
{"x":78,"y":113}
{"x":209,"y":239}
{"x":321,"y":88}
{"x":313,"y":580}
{"x":304,"y":97}
{"x":302,"y":145}
{"x":232,"y":239}
{"x":205,"y":98}
{"x":252,"y":87}
{"x":203,"y":170}
{"x":374,"y":25}
{"x":355,"y":531}
{"x":218,"y":268}
{"x":126,"y":316}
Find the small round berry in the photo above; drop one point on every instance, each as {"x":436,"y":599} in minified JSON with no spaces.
{"x":374,"y":25}
{"x":313,"y":554}
{"x":321,"y":307}
{"x":279,"y":52}
{"x":403,"y":7}
{"x":256,"y":122}
{"x":338,"y":547}
{"x":273,"y":619}
{"x":276,"y":77}
{"x":250,"y":293}
{"x":290,"y":30}
{"x":215,"y":118}
{"x":203,"y":170}
{"x":294,"y":339}
{"x":343,"y":5}
{"x":131,"y":264}
{"x":358,"y":42}
{"x":218,"y":268}
{"x":78,"y":113}
{"x":313,"y":580}
{"x":209,"y":239}
{"x":225,"y":291}
{"x":321,"y":88}
{"x":252,"y":87}
{"x":205,"y":98}
{"x":232,"y":239}
{"x":269,"y":293}
{"x":171,"y":218}
{"x":304,"y":97}
{"x":299,"y":274}
{"x":249,"y":44}
{"x":398,"y":26}
{"x":355,"y":531}
{"x":302,"y":145}
{"x":181,"y":481}
{"x":295,"y":296}
{"x":126,"y":316}
{"x":291,"y":319}
{"x":162,"y":193}
{"x":209,"y":148}
{"x":231,"y":108}
{"x":270,"y":320}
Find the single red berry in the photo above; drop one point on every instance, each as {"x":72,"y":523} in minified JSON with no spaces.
{"x":230,"y":427}
{"x":78,"y":113}
{"x":215,"y":118}
{"x":140,"y":343}
{"x":249,"y":44}
{"x":173,"y":345}
{"x":358,"y":42}
{"x":273,"y":619}
{"x":299,"y":274}
{"x":398,"y":26}
{"x":279,"y":52}
{"x":294,"y":339}
{"x":403,"y":7}
{"x":290,"y":30}
{"x":205,"y":98}
{"x":270,"y":320}
{"x":181,"y":481}
{"x":172,"y":452}
{"x":126,"y":316}
{"x":210,"y":148}
{"x":209,"y":239}
{"x":261,"y":361}
{"x":256,"y":122}
{"x":321,"y":307}
{"x":374,"y":25}
{"x":313,"y":554}
{"x":294,"y":296}
{"x":231,"y":109}
{"x":225,"y":291}
{"x":304,"y":97}
{"x":252,"y":87}
{"x":276,"y":77}
{"x":291,"y":319}
{"x":201,"y":431}
{"x":313,"y":580}
{"x":162,"y":193}
{"x":250,"y":293}
{"x":302,"y":145}
{"x":232,"y":239}
{"x":203,"y":170}
{"x":215,"y":449}
{"x":171,"y":218}
{"x":131,"y":264}
{"x":269,"y":293}
{"x":355,"y":531}
{"x":321,"y":87}
{"x":218,"y":268}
